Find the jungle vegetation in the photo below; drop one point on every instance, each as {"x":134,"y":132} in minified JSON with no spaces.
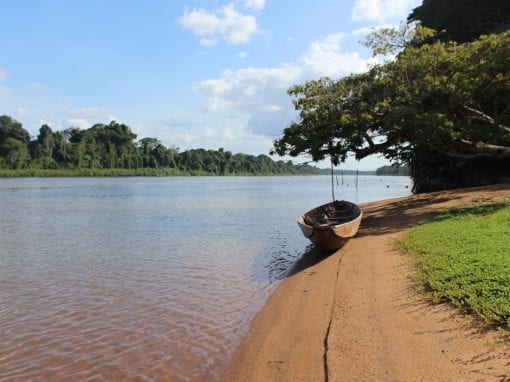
{"x":393,"y":170}
{"x":440,"y":105}
{"x":111,"y":149}
{"x":462,"y":20}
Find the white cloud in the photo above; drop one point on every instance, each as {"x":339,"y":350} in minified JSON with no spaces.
{"x":4,"y":92}
{"x":80,"y":123}
{"x":87,"y":117}
{"x":382,"y":10}
{"x":181,"y":138}
{"x":242,"y":54}
{"x":237,"y":138}
{"x":325,"y":58}
{"x":42,"y":121}
{"x":255,"y":4}
{"x":261,"y":93}
{"x":234,"y":27}
{"x":208,"y":42}
{"x":200,"y":22}
{"x":364,"y":31}
{"x":21,"y":112}
{"x":232,"y":134}
{"x":225,"y":134}
{"x":273,"y":108}
{"x":247,"y":88}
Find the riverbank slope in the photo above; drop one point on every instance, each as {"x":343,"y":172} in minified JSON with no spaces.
{"x":355,"y":315}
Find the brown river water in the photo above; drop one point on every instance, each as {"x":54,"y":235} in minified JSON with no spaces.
{"x":146,"y":278}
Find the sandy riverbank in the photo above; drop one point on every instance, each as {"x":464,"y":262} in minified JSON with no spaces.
{"x":354,"y":315}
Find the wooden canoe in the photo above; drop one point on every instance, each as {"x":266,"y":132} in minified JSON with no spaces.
{"x":329,"y":226}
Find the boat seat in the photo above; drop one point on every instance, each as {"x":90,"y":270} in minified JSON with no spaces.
{"x":331,"y":221}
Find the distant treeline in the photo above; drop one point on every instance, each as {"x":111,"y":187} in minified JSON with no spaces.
{"x":352,"y":172}
{"x":105,"y":150}
{"x":394,"y":169}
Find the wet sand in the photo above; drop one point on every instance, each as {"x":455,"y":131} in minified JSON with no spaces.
{"x":355,"y":315}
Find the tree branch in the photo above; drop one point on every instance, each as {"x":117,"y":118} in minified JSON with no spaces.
{"x":496,"y":150}
{"x":371,"y":149}
{"x":481,"y":116}
{"x":369,"y":139}
{"x":486,"y":151}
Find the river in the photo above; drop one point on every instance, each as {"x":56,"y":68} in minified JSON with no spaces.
{"x":147,"y":278}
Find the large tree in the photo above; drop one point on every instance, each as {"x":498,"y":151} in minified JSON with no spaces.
{"x":441,"y":100}
{"x":14,"y":141}
{"x":463,"y":20}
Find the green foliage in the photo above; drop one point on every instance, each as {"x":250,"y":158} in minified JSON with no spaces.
{"x":13,"y":143}
{"x":394,"y":169}
{"x":15,"y":153}
{"x":12,"y":128}
{"x":110,"y":150}
{"x":446,"y":100}
{"x":391,"y":41}
{"x":464,"y":257}
{"x":463,"y":20}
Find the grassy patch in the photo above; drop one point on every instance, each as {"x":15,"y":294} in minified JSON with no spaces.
{"x":463,"y":256}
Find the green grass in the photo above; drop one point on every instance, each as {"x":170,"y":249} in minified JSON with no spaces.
{"x":463,"y":257}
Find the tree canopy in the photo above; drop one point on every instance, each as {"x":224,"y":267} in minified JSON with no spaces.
{"x":13,"y":142}
{"x":394,"y":169}
{"x":447,"y":100}
{"x":463,"y":20}
{"x":113,"y":146}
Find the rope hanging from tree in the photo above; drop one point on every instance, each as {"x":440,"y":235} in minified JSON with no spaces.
{"x":332,"y":183}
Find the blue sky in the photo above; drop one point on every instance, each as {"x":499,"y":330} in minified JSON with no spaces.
{"x":192,"y":73}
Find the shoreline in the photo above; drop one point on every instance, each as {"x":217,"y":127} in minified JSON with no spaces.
{"x":355,"y":315}
{"x":152,"y":172}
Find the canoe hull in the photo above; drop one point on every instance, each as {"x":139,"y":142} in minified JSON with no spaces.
{"x":332,"y":235}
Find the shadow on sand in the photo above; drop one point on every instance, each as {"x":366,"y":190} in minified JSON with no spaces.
{"x":310,"y":258}
{"x":281,"y":266}
{"x":382,"y":218}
